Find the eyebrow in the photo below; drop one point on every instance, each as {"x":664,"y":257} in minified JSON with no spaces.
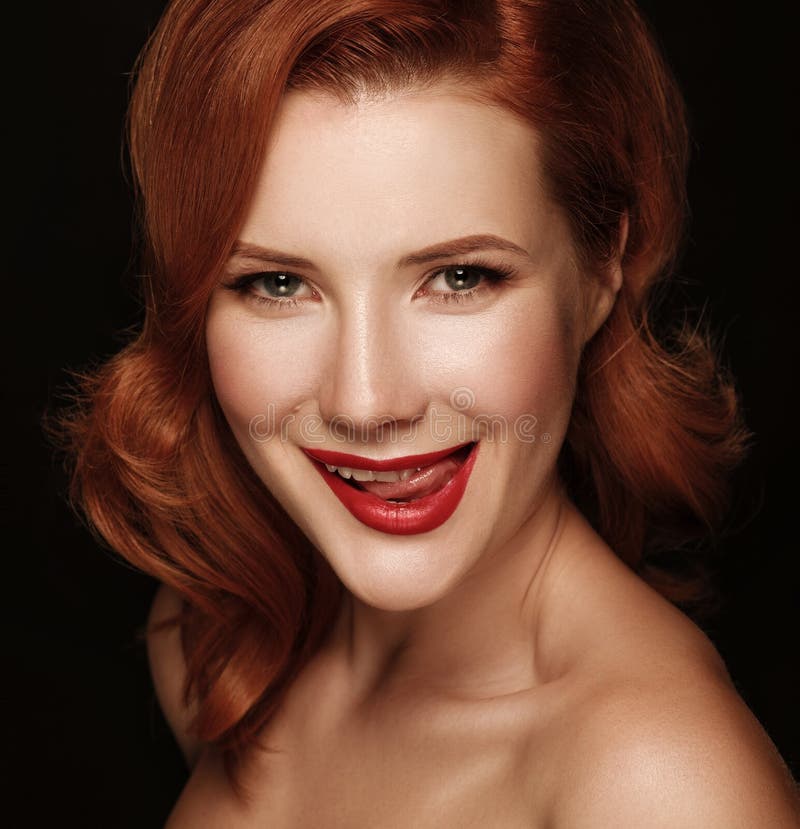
{"x":441,"y":250}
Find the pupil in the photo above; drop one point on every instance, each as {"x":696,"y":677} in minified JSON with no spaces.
{"x":461,"y":278}
{"x":280,"y":284}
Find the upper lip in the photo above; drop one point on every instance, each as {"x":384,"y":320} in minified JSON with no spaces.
{"x":387,"y":465}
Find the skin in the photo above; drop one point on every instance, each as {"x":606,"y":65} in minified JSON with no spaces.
{"x":479,"y":673}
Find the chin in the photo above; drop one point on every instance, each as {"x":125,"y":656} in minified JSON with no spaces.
{"x":395,"y":582}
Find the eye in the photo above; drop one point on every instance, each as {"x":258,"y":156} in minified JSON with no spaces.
{"x":460,"y":278}
{"x":276,"y":288}
{"x":464,"y":283}
{"x":278,"y":284}
{"x":457,"y":283}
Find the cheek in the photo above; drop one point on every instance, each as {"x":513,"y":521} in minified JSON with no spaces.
{"x":517,"y":362}
{"x":256,"y":370}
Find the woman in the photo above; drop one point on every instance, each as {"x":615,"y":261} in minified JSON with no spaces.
{"x":382,"y":605}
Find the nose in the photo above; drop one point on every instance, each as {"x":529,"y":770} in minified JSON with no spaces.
{"x":374,"y":376}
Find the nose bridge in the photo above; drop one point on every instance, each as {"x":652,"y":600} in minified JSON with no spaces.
{"x":372,"y":375}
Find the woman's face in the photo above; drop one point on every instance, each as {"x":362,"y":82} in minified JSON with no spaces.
{"x":379,"y":346}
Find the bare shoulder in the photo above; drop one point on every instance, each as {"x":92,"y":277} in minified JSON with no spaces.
{"x":661,"y":738}
{"x":652,"y":732}
{"x":674,"y":754}
{"x":168,"y":669}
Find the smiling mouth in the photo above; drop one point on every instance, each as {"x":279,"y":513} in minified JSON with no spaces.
{"x":427,"y":480}
{"x":420,"y":504}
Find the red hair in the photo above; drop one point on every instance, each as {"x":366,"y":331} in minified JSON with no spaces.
{"x":656,"y":425}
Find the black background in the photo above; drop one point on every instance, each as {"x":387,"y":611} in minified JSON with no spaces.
{"x":88,"y":746}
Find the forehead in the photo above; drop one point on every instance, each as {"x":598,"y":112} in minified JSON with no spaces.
{"x":396,"y":172}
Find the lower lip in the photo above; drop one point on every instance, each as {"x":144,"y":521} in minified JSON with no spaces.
{"x":407,"y":518}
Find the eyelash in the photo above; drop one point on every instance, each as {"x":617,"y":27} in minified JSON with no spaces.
{"x":493,"y":275}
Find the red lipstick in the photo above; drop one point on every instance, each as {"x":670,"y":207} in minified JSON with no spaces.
{"x":398,"y":518}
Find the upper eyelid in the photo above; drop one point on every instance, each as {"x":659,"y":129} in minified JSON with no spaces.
{"x":433,"y":271}
{"x":249,"y":277}
{"x":496,"y":273}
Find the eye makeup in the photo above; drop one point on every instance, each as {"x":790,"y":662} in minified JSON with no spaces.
{"x":490,"y":277}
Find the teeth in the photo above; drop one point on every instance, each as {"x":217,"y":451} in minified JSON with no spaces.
{"x":362,"y":474}
{"x":384,"y":476}
{"x":369,"y":475}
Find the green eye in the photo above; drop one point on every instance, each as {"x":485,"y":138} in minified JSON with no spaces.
{"x":463,"y":283}
{"x":280,"y":284}
{"x":460,"y":279}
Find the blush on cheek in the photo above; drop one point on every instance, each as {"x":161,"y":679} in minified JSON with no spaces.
{"x":255,"y":372}
{"x":527,"y":370}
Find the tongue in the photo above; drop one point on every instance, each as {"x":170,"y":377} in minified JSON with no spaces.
{"x":422,"y":483}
